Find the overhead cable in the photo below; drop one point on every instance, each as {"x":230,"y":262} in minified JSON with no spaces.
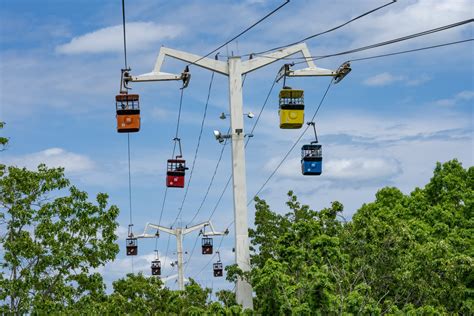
{"x":412,"y":50}
{"x":129,"y":179}
{"x":330,"y":30}
{"x":124,"y":34}
{"x":392,"y":41}
{"x":243,"y":32}
{"x":210,"y":184}
{"x":215,"y":252}
{"x":294,"y":144}
{"x":197,"y":147}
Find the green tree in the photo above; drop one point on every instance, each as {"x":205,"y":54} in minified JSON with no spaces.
{"x":401,"y":254}
{"x":417,"y":250}
{"x":3,"y":140}
{"x":297,"y":256}
{"x":141,"y":295}
{"x":52,"y":239}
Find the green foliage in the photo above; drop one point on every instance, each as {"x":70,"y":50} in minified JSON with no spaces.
{"x":3,"y":140}
{"x":401,"y":254}
{"x":53,"y":239}
{"x":141,"y":295}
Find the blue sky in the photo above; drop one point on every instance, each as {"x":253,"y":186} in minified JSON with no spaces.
{"x":387,"y":123}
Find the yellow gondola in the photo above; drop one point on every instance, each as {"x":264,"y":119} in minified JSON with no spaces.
{"x":291,"y":108}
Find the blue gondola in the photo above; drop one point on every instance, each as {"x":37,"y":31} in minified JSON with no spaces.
{"x":312,"y":157}
{"x":311,"y":160}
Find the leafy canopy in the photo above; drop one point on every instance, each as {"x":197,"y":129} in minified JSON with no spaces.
{"x":52,"y":238}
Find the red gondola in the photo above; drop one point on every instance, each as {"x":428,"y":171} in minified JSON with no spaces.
{"x":218,"y":266}
{"x":218,"y":269}
{"x":176,"y":170}
{"x":131,"y":243}
{"x":206,"y":246}
{"x":175,"y":173}
{"x":156,"y":265}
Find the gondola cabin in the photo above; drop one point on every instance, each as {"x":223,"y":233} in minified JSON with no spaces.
{"x":311,"y":160}
{"x":175,"y":173}
{"x":128,"y":113}
{"x":132,"y":247}
{"x":156,"y":267}
{"x":218,"y":269}
{"x":291,"y":108}
{"x":207,"y":246}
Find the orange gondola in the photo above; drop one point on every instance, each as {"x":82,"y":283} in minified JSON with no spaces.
{"x":128,"y":113}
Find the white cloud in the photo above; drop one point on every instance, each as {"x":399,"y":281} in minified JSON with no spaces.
{"x":161,"y":114}
{"x":459,"y":97}
{"x":140,"y":36}
{"x":361,"y":168}
{"x":382,"y":79}
{"x":402,"y":19}
{"x":418,"y":81}
{"x":465,"y":95}
{"x":54,"y":157}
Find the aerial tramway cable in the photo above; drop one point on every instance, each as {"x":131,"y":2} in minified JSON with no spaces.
{"x":294,"y":144}
{"x":130,"y":232}
{"x":328,"y":31}
{"x":243,"y":32}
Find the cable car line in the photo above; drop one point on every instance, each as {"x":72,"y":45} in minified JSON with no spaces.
{"x":197,"y":146}
{"x":124,"y":34}
{"x":214,"y":255}
{"x":248,"y":139}
{"x":230,"y":177}
{"x":217,"y":166}
{"x":329,"y":30}
{"x":243,"y":32}
{"x":392,"y":41}
{"x":210,"y":183}
{"x":176,"y":140}
{"x":128,"y":120}
{"x":413,"y":50}
{"x":167,"y":248}
{"x":129,"y":179}
{"x":179,"y":119}
{"x":380,"y":44}
{"x":294,"y":144}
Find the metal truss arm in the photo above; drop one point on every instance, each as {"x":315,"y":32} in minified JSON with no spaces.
{"x":216,"y":233}
{"x":157,"y":227}
{"x":157,"y":75}
{"x":202,"y":225}
{"x":256,"y":63}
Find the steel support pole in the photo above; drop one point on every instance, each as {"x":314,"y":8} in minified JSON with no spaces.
{"x":234,"y":69}
{"x":179,"y":250}
{"x":242,"y":252}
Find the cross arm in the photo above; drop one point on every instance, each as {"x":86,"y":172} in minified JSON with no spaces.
{"x":157,"y":227}
{"x":213,"y":232}
{"x":158,"y":75}
{"x":261,"y":61}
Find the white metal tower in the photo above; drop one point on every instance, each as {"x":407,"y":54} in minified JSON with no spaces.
{"x":179,"y":233}
{"x":234,"y":68}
